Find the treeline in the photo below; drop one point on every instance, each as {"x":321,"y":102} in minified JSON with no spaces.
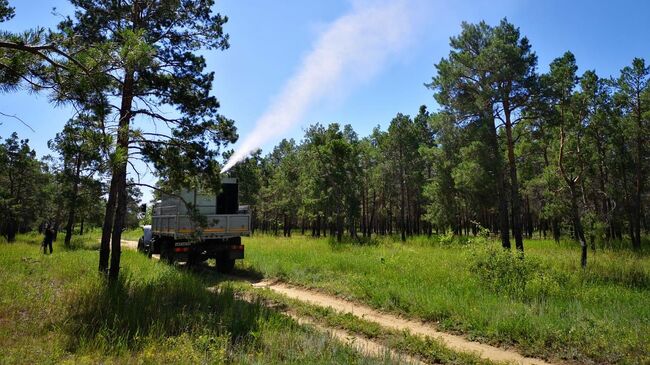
{"x":510,"y":150}
{"x":65,"y":193}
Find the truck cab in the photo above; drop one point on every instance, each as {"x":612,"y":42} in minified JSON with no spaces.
{"x":212,"y":229}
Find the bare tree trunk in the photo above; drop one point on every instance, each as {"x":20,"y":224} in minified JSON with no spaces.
{"x":504,"y":228}
{"x":73,"y":203}
{"x":514,"y":184}
{"x":118,"y":224}
{"x":575,"y":212}
{"x":640,"y":141}
{"x":339,"y":227}
{"x":107,"y":228}
{"x":577,"y":227}
{"x":119,"y":173}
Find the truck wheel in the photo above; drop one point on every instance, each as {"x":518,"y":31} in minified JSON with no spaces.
{"x":167,"y":252}
{"x":194,"y":260}
{"x":141,"y":245}
{"x":225,"y":266}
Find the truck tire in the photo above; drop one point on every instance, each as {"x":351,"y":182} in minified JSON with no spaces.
{"x":225,"y":266}
{"x":149,"y":249}
{"x":194,"y":259}
{"x":141,"y":245}
{"x":167,"y":252}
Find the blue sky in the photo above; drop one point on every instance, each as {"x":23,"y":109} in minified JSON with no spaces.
{"x":270,"y":40}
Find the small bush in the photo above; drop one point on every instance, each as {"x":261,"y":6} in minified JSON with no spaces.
{"x":520,"y":277}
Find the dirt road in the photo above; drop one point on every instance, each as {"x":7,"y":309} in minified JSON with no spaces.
{"x":133,"y":245}
{"x":454,"y":342}
{"x":361,"y":344}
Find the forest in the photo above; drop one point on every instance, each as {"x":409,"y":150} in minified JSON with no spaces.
{"x":511,"y":152}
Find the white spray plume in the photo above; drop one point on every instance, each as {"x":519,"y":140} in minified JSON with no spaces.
{"x":350,"y":50}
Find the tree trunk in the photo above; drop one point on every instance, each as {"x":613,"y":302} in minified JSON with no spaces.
{"x":575,"y":213}
{"x":339,"y":227}
{"x":120,"y":213}
{"x":11,"y":230}
{"x":514,"y":184}
{"x":636,"y":239}
{"x":577,"y":227}
{"x":402,"y":198}
{"x":104,"y":248}
{"x":73,"y":203}
{"x":119,"y":173}
{"x":504,"y":228}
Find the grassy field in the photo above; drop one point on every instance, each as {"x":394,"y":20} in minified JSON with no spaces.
{"x":544,"y":305}
{"x":58,"y":309}
{"x":89,"y":240}
{"x":129,"y":234}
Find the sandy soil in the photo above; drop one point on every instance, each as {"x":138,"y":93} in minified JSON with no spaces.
{"x":454,"y":342}
{"x":133,"y":245}
{"x":361,"y":344}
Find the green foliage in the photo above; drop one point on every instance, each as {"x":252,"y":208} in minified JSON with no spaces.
{"x":522,"y":278}
{"x":24,"y":185}
{"x":6,"y":11}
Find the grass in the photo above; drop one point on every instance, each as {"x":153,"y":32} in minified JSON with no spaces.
{"x":425,"y":348}
{"x":89,"y":240}
{"x":557,"y":311}
{"x":58,"y":309}
{"x":133,"y":234}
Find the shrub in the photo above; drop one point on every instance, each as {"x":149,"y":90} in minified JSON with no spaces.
{"x":520,"y":277}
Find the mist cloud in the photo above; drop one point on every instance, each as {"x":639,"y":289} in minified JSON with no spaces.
{"x":352,"y":49}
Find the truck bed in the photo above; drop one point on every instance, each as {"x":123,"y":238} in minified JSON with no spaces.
{"x":219,"y":225}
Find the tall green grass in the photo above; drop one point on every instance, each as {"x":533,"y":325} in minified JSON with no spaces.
{"x":544,"y":304}
{"x":58,"y":309}
{"x":89,"y":240}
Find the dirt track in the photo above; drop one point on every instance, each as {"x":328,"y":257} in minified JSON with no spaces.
{"x":359,"y":343}
{"x":130,"y":244}
{"x":454,"y":342}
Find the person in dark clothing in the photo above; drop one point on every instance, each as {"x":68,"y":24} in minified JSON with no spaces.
{"x":47,"y":241}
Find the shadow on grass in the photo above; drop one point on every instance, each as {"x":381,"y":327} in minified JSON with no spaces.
{"x":128,"y":314}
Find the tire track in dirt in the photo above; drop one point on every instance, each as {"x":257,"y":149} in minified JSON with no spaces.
{"x":133,"y":245}
{"x":359,"y":343}
{"x":453,"y":342}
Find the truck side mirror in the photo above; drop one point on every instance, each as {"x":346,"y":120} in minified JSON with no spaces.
{"x":143,"y":208}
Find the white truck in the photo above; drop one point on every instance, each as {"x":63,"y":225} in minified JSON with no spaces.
{"x":177,"y":235}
